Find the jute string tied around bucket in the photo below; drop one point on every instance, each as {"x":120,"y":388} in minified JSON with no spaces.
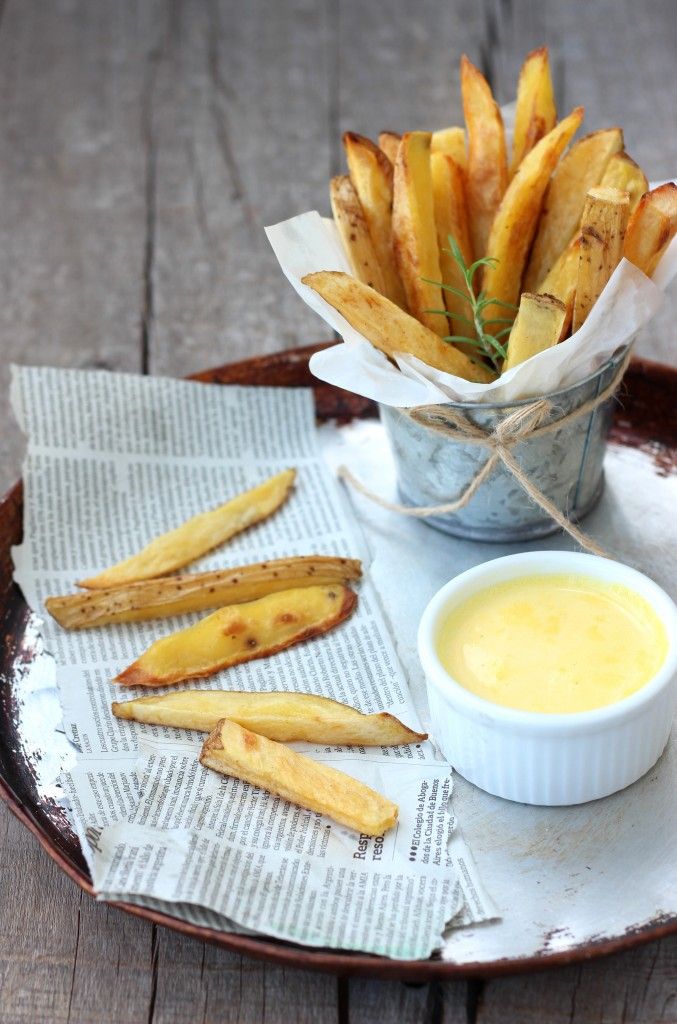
{"x":526,"y":423}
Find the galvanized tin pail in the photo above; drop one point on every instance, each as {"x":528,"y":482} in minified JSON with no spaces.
{"x":565,"y":465}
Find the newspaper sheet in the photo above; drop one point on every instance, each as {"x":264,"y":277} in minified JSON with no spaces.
{"x":114,"y":460}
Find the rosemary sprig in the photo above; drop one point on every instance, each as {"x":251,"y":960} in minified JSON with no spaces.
{"x":488,"y":344}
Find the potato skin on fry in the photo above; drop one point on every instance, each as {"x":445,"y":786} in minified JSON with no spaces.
{"x":388,"y":327}
{"x":278,"y":715}
{"x":240,"y":633}
{"x":538,"y":326}
{"x":388,"y":143}
{"x":196,"y":592}
{"x":517,"y":217}
{"x":622,"y":172}
{"x":487,"y":158}
{"x":580,"y":169}
{"x":535,"y":113}
{"x":451,"y":142}
{"x":652,"y":227}
{"x":414,"y":233}
{"x":197,"y":536}
{"x":232,"y":750}
{"x":603,"y":225}
{"x":354,"y":231}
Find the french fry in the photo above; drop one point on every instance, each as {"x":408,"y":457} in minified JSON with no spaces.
{"x":651,"y":228}
{"x":239,"y":633}
{"x":535,"y":112}
{"x":352,"y":227}
{"x":389,"y":328}
{"x":372,"y":175}
{"x":561,"y":281}
{"x":622,"y":172}
{"x":579,"y":170}
{"x":197,"y":536}
{"x":487,"y":159}
{"x":232,"y":750}
{"x":452,"y":142}
{"x":284,"y":717}
{"x":538,"y":326}
{"x":389,"y":142}
{"x":603,"y":225}
{"x":517,"y":217}
{"x":451,"y":218}
{"x":197,"y":592}
{"x":414,"y":234}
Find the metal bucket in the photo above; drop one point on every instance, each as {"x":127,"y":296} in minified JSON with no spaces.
{"x":565,"y":465}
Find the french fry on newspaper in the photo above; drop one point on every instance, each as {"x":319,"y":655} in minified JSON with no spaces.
{"x":452,"y":142}
{"x":651,"y":228}
{"x":197,"y":536}
{"x":285,"y":717}
{"x":239,"y":633}
{"x":389,"y":328}
{"x":538,"y":326}
{"x":232,"y":750}
{"x":535,"y":111}
{"x":622,"y":172}
{"x":388,"y":143}
{"x":414,"y":233}
{"x":487,"y":159}
{"x":579,"y":170}
{"x":451,"y":218}
{"x":197,"y":592}
{"x":561,"y":281}
{"x":371,"y":173}
{"x":515,"y":223}
{"x":352,"y":227}
{"x":603,"y":225}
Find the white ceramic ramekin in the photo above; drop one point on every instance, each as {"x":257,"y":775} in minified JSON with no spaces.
{"x":549,"y":759}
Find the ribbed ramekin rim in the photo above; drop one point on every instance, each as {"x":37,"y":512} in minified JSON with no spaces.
{"x":536,"y":722}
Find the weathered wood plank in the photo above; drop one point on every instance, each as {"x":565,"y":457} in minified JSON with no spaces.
{"x":72,"y":202}
{"x":196,"y":982}
{"x":239,"y":131}
{"x":632,"y":988}
{"x":374,"y":1001}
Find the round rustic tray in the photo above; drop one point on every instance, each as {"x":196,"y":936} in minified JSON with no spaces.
{"x":644,"y":419}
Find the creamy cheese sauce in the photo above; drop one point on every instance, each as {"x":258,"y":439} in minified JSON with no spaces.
{"x":553,"y":643}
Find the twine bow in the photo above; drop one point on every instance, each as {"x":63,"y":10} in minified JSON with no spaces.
{"x":525,"y":423}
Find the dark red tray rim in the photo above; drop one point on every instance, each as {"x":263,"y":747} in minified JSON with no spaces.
{"x":645,"y":419}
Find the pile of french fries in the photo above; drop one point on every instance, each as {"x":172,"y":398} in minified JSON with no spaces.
{"x":548,"y":223}
{"x":261,"y":609}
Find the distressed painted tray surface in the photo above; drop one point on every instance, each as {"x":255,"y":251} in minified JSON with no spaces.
{"x":570,"y":883}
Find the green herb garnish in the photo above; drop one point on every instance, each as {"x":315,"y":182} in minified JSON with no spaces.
{"x":488,"y":345}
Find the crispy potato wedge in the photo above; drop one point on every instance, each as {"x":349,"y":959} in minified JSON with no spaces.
{"x":389,"y":143}
{"x":561,"y":281}
{"x":352,"y":227}
{"x":517,"y":217}
{"x":535,"y":113}
{"x":239,"y":633}
{"x":538,"y":326}
{"x":452,"y":142}
{"x":197,"y":536}
{"x":579,"y":170}
{"x":372,"y":175}
{"x":389,"y":328}
{"x":285,"y":717}
{"x":622,"y":172}
{"x":487,"y":159}
{"x":232,"y":750}
{"x":451,"y":218}
{"x":196,"y":592}
{"x":414,"y":233}
{"x":603,"y":225}
{"x":651,"y":228}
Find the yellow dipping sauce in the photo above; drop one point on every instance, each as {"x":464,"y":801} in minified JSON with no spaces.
{"x":553,"y":643}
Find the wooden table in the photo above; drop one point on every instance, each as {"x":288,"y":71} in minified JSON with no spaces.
{"x":143,"y":145}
